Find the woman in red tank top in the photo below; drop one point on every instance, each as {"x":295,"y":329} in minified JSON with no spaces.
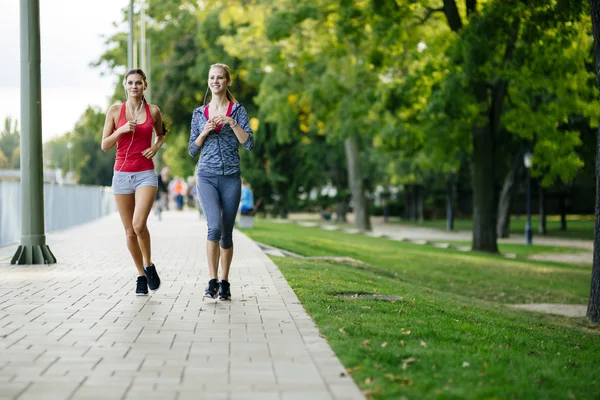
{"x":130,"y":126}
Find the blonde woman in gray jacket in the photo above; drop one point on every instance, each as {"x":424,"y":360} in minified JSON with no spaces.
{"x":218,"y":129}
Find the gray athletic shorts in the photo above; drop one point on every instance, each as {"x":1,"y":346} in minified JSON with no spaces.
{"x":129,"y":182}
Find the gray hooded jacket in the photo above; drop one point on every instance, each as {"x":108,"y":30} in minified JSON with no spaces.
{"x":219,"y":153}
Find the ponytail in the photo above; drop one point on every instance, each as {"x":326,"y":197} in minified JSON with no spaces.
{"x":230,"y":96}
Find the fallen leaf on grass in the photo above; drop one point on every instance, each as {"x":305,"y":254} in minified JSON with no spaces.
{"x":392,"y":377}
{"x":402,"y":343}
{"x":369,"y":380}
{"x":465,"y":364}
{"x":369,"y":394}
{"x":384,"y":344}
{"x":407,"y":361}
{"x":342,"y":330}
{"x":423,"y":344}
{"x":366,"y":342}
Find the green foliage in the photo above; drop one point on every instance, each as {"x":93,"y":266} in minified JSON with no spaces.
{"x":392,"y":74}
{"x":91,"y":165}
{"x":3,"y":160}
{"x":176,"y":156}
{"x":10,"y":144}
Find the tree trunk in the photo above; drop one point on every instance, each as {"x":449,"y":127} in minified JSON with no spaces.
{"x":506,"y":195}
{"x":414,"y":200}
{"x":593,"y":311}
{"x":410,"y":203}
{"x":359,"y":200}
{"x":483,"y":171}
{"x":341,"y":208}
{"x":563,"y":212}
{"x":542,"y":211}
{"x":419,"y":202}
{"x":484,"y":198}
{"x":450,"y":190}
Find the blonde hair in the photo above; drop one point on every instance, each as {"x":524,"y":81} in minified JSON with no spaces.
{"x":225,"y":68}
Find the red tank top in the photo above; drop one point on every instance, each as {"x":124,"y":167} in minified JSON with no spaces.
{"x":130,"y":145}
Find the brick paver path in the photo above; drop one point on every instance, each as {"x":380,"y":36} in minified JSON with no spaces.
{"x":76,"y":330}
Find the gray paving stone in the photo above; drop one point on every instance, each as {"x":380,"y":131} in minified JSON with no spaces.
{"x":75,"y":329}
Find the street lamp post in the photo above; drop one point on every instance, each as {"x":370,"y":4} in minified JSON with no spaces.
{"x":70,"y":146}
{"x":527,"y":160}
{"x":33,"y":248}
{"x":70,"y":173}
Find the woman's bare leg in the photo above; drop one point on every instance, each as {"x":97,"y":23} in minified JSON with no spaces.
{"x":144,"y":199}
{"x":226,"y":257}
{"x":126,"y":206}
{"x":212,"y":255}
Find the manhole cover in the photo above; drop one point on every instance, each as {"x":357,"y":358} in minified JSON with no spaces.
{"x":370,"y":296}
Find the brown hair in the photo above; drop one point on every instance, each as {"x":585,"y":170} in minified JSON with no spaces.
{"x":138,"y":72}
{"x":225,"y":68}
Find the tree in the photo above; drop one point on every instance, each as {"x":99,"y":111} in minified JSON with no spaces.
{"x":499,"y":48}
{"x":91,"y":165}
{"x":3,"y":160}
{"x":593,"y":311}
{"x":10,"y":143}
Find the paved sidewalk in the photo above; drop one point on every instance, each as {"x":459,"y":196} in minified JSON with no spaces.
{"x":76,"y":330}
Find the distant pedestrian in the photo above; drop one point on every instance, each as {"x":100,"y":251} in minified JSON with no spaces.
{"x":247,"y":199}
{"x":217,"y":131}
{"x":164,"y":189}
{"x":179,"y":190}
{"x":162,"y":194}
{"x":129,"y":126}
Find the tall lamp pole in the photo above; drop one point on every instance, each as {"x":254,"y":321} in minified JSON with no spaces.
{"x":130,"y":47}
{"x":33,"y":248}
{"x":527,"y":160}
{"x":70,"y":174}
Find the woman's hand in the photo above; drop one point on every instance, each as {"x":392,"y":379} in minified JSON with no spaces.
{"x":128,"y":127}
{"x":222,"y":119}
{"x":210,"y":126}
{"x":150,"y":151}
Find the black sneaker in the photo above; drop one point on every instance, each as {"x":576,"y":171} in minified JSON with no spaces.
{"x":224,"y":291}
{"x":152,"y":275}
{"x":212,"y":289}
{"x":142,"y":286}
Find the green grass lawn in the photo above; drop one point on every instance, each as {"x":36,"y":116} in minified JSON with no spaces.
{"x":578,"y":226}
{"x":450,"y":336}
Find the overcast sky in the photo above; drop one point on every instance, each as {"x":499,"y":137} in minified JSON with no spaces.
{"x":72,"y":36}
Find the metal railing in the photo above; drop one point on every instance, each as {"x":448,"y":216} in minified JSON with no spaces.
{"x":65,"y":206}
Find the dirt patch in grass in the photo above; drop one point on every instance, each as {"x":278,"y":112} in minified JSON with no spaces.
{"x":570,"y":258}
{"x":370,"y":296}
{"x":569,"y":310}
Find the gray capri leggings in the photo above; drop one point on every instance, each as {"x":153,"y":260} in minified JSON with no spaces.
{"x":220,"y":197}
